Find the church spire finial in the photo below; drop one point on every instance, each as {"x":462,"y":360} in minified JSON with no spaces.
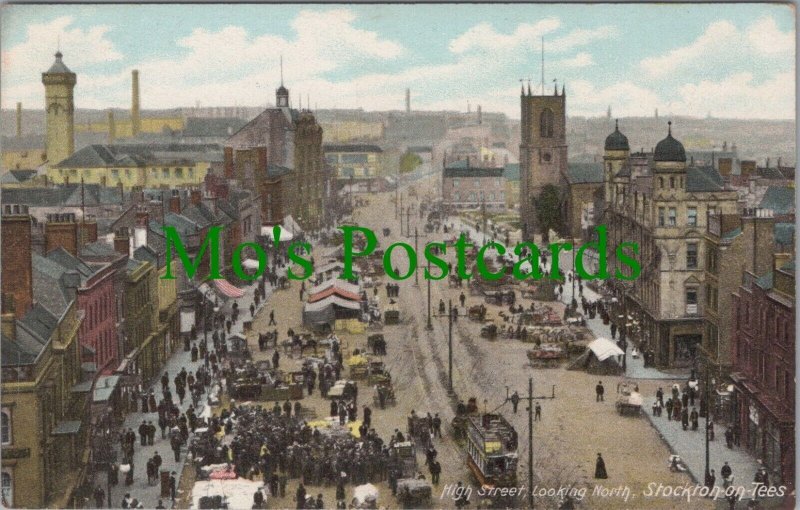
{"x":616,"y":124}
{"x":669,"y":128}
{"x":281,"y":70}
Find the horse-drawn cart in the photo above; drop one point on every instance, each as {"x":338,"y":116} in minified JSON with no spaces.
{"x":629,"y":403}
{"x":414,"y":493}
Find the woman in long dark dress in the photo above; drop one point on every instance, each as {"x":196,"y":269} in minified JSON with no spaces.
{"x":600,"y":468}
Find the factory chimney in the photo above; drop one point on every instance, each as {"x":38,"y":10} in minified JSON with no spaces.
{"x":408,"y":100}
{"x":112,"y":128}
{"x":19,"y":120}
{"x":135,"y":119}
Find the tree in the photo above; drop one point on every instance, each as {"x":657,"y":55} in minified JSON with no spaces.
{"x":409,"y":162}
{"x":548,"y":210}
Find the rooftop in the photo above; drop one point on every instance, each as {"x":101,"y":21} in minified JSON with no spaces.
{"x":357,"y":147}
{"x":473,"y":172}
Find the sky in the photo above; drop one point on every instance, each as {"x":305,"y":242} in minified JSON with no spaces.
{"x":727,"y":60}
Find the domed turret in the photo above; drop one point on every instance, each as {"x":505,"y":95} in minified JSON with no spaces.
{"x":670,"y":149}
{"x":616,"y":141}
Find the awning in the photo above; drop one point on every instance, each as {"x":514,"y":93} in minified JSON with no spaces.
{"x":338,"y":283}
{"x":105,"y":387}
{"x":291,"y":225}
{"x":227,"y":289}
{"x":333,"y":291}
{"x":604,"y":348}
{"x":331,"y":300}
{"x":187,"y":320}
{"x":285,"y":234}
{"x":67,"y":428}
{"x":250,"y":264}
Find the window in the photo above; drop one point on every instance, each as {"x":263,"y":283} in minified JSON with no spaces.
{"x":165,"y":173}
{"x":691,"y":256}
{"x":546,"y":123}
{"x":7,"y":489}
{"x":5,"y":430}
{"x":179,"y":173}
{"x":491,"y":197}
{"x":691,"y":301}
{"x":497,"y":182}
{"x":660,"y":182}
{"x":456,"y":197}
{"x":660,"y":216}
{"x":671,"y":182}
{"x":673,"y":217}
{"x":191,"y":172}
{"x":455,"y":183}
{"x":691,"y":217}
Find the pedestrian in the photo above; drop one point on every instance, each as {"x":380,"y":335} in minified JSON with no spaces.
{"x":660,"y":396}
{"x":272,"y":318}
{"x":126,"y":501}
{"x":694,"y":419}
{"x":437,"y":426}
{"x":253,"y":309}
{"x":600,"y":391}
{"x":276,"y":358}
{"x":711,"y":479}
{"x":726,"y":472}
{"x":300,"y":496}
{"x":320,"y":503}
{"x":160,"y":505}
{"x":143,"y":433}
{"x":669,"y":405}
{"x":435,"y":469}
{"x":537,"y":412}
{"x":462,"y":299}
{"x":600,"y":468}
{"x":729,"y":437}
{"x":173,"y":486}
{"x":515,"y":401}
{"x":228,"y":326}
{"x":710,"y":427}
{"x":367,"y":417}
{"x":99,"y":497}
{"x":685,"y":419}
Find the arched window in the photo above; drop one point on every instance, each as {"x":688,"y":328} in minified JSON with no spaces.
{"x":660,"y":182}
{"x":5,"y":427}
{"x":7,"y":487}
{"x":546,"y":123}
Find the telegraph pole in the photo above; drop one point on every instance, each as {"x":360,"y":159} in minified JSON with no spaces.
{"x":530,"y":398}
{"x":449,"y":344}
{"x":708,"y":413}
{"x":429,"y":326}
{"x":530,"y":442}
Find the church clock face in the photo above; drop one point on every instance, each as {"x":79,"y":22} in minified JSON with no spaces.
{"x":546,"y":157}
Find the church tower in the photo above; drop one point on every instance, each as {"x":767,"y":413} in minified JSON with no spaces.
{"x":542,"y":151}
{"x":59,"y":82}
{"x":616,"y":155}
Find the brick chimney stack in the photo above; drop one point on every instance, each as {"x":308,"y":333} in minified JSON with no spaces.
{"x":88,"y":230}
{"x":61,"y":230}
{"x":175,"y":202}
{"x":195,"y":196}
{"x":228,"y":151}
{"x":17,"y":271}
{"x":122,"y":242}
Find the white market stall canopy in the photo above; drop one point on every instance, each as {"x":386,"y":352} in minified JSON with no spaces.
{"x":603,"y":348}
{"x":285,"y":234}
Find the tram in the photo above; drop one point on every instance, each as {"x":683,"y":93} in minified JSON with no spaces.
{"x":492,"y":450}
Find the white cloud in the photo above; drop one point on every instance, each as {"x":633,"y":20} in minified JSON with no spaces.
{"x":738,"y":96}
{"x":80,"y":47}
{"x":723,"y":45}
{"x":582,"y":59}
{"x":582,"y":37}
{"x":626,"y":98}
{"x":483,"y":37}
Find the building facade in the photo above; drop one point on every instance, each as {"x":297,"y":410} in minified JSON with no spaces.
{"x":473,"y":188}
{"x":764,"y":368}
{"x":663,"y":208}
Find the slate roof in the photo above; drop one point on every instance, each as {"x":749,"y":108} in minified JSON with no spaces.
{"x":765,"y":282}
{"x":616,"y":141}
{"x":182,"y":224}
{"x":212,"y":127}
{"x":277,"y":170}
{"x":63,"y":195}
{"x":780,"y":199}
{"x":17,"y":176}
{"x":580,"y":173}
{"x":703,"y":179}
{"x":49,"y":287}
{"x":669,"y":149}
{"x":784,"y":234}
{"x":351,"y":148}
{"x":98,"y":249}
{"x":32,"y":334}
{"x":99,"y":155}
{"x":472,"y":172}
{"x":511,"y":171}
{"x":71,"y":263}
{"x":58,"y":66}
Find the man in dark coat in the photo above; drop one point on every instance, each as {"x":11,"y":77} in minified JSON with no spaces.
{"x":685,"y":419}
{"x":300,"y":496}
{"x":600,"y":468}
{"x":599,"y":391}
